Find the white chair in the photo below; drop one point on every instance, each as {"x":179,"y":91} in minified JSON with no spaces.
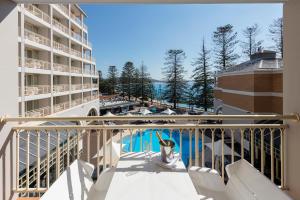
{"x":245,"y":183}
{"x":99,"y":189}
{"x":73,"y":184}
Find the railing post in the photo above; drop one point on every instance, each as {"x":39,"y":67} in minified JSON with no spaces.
{"x":197,"y":147}
{"x":98,"y":149}
{"x":282,"y":158}
{"x":242,"y":143}
{"x":17,"y":132}
{"x":68,"y":148}
{"x":272,"y":154}
{"x":104,"y":148}
{"x":203,"y":148}
{"x":252,"y":146}
{"x":57,"y":154}
{"x":150,"y":140}
{"x":48,"y":157}
{"x":38,"y":157}
{"x":213,"y":149}
{"x":110,"y":155}
{"x":130,"y":140}
{"x":78,"y":141}
{"x":121,"y":142}
{"x":180,"y":143}
{"x":141,"y":139}
{"x":27,"y":159}
{"x":88,"y":145}
{"x":232,"y":145}
{"x":262,"y":151}
{"x":223,"y":159}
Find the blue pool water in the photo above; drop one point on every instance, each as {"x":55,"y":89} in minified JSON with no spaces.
{"x":145,"y":136}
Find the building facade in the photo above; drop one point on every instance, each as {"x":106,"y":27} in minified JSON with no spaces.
{"x":253,"y":87}
{"x":57,"y":74}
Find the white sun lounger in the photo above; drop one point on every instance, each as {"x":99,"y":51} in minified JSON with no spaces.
{"x":245,"y":183}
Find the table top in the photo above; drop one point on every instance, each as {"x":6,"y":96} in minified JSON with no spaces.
{"x":135,"y":179}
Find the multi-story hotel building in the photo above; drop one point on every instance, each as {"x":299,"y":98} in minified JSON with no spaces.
{"x":254,"y":86}
{"x":57,"y":73}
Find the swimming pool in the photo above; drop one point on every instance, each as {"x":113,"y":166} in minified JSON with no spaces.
{"x":145,"y":136}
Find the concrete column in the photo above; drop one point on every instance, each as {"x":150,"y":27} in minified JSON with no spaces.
{"x":291,"y":94}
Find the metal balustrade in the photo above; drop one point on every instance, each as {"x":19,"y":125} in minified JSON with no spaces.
{"x":60,"y":26}
{"x":39,"y":112}
{"x":60,"y":88}
{"x":75,"y":52}
{"x":86,"y":86}
{"x":35,"y":37}
{"x":60,"y":67}
{"x":76,"y":19}
{"x":76,"y":86}
{"x":76,"y":70}
{"x":76,"y":102}
{"x":61,"y":106}
{"x":63,"y":8}
{"x":35,"y":63}
{"x":60,"y":47}
{"x":37,"y":12}
{"x":36,"y":90}
{"x":76,"y":36}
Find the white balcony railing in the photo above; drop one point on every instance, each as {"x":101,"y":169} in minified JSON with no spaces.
{"x":76,"y":70}
{"x":190,"y":133}
{"x":36,"y":90}
{"x":60,"y":67}
{"x":86,"y":86}
{"x":94,"y":85}
{"x":60,"y":26}
{"x":61,"y":106}
{"x":76,"y":102}
{"x":60,"y":88}
{"x":84,"y":26}
{"x":76,"y":19}
{"x":63,"y":8}
{"x":75,"y":52}
{"x":40,"y":112}
{"x":35,"y":63}
{"x":35,"y":37}
{"x":37,"y":12}
{"x":76,"y":36}
{"x":60,"y":47}
{"x":76,"y":86}
{"x":86,"y":99}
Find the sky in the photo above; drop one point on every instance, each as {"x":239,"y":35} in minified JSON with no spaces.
{"x":144,"y":32}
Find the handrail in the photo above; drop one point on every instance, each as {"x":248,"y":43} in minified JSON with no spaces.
{"x":36,"y":63}
{"x":61,"y":47}
{"x":75,"y":52}
{"x":37,"y":12}
{"x":60,"y":67}
{"x":35,"y":37}
{"x":295,"y":117}
{"x":60,"y":26}
{"x":60,"y":87}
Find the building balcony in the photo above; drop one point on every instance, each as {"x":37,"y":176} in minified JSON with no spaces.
{"x":76,"y":36}
{"x":86,"y":99}
{"x":202,"y":153}
{"x":60,"y":67}
{"x":94,"y":85}
{"x":76,"y":70}
{"x":63,"y":8}
{"x":37,"y":12}
{"x":76,"y":102}
{"x":36,"y":90}
{"x":60,"y":88}
{"x":86,"y":86}
{"x":35,"y":64}
{"x":75,"y":52}
{"x":40,"y":112}
{"x":61,"y":106}
{"x":35,"y":37}
{"x":76,"y":19}
{"x":60,"y":26}
{"x":60,"y":47}
{"x":76,"y":86}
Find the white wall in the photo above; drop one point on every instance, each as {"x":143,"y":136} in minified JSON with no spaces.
{"x":9,"y":93}
{"x":80,"y":110}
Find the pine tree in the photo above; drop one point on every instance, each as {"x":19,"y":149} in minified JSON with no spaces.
{"x":173,"y":72}
{"x":112,"y":79}
{"x":250,"y":46}
{"x":276,"y":31}
{"x":145,"y":83}
{"x":225,"y":40}
{"x":203,"y":81}
{"x":127,"y":78}
{"x":136,"y":83}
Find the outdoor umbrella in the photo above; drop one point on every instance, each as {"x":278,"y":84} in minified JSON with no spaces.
{"x":168,"y":112}
{"x":145,"y":112}
{"x":108,"y":114}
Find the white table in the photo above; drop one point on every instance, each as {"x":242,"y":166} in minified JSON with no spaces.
{"x":136,"y":179}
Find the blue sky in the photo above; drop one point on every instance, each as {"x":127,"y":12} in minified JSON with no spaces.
{"x":137,"y":33}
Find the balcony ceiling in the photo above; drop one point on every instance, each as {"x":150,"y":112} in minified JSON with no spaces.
{"x":151,"y":1}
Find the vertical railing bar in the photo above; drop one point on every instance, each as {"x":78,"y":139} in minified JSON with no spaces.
{"x":171,"y":130}
{"x":213,"y":148}
{"x":203,"y":148}
{"x":223,"y":159}
{"x":190,"y":148}
{"x":262,"y":151}
{"x":27,"y":159}
{"x":78,"y":140}
{"x":68,"y":148}
{"x":131,"y":140}
{"x":252,"y":146}
{"x":151,"y":140}
{"x":232,"y":146}
{"x":110,"y":152}
{"x":141,"y":140}
{"x":88,"y":145}
{"x":242,"y":143}
{"x":104,"y":148}
{"x":272,"y":154}
{"x":57,"y":154}
{"x":282,"y":158}
{"x":38,"y":160}
{"x":17,"y":132}
{"x":121,"y":142}
{"x":98,"y":153}
{"x":48,"y":157}
{"x":180,"y":143}
{"x":197,"y":147}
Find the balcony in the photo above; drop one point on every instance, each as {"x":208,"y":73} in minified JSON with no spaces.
{"x":76,"y":86}
{"x":86,"y":86}
{"x":60,"y":47}
{"x":60,"y":26}
{"x":36,"y":64}
{"x":76,"y":19}
{"x":63,"y":8}
{"x":204,"y":150}
{"x":94,"y":85}
{"x":60,"y":67}
{"x":76,"y":102}
{"x":75,"y":52}
{"x":35,"y":37}
{"x":76,"y":70}
{"x":37,"y":12}
{"x":61,"y":106}
{"x":86,"y":99}
{"x":40,"y":112}
{"x":36,"y":90}
{"x":60,"y":88}
{"x":76,"y":36}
